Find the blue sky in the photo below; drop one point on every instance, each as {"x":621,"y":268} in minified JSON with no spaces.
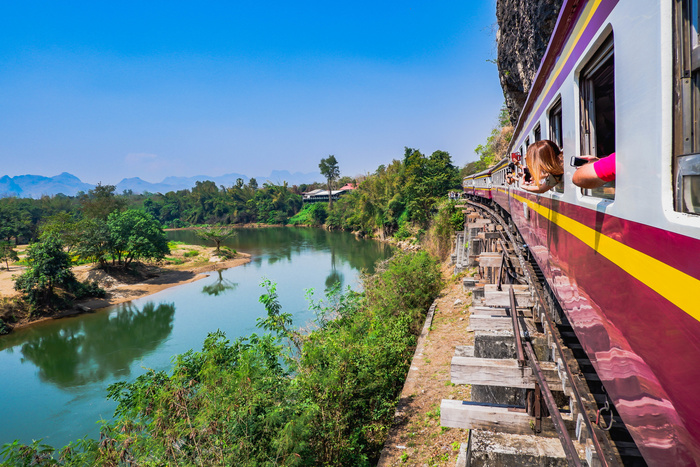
{"x":107,"y":90}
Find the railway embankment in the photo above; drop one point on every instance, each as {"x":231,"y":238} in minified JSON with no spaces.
{"x":497,"y":378}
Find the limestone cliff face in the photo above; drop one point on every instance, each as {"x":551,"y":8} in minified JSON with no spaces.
{"x":524,"y":27}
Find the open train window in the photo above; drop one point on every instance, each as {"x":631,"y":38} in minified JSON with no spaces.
{"x":538,"y":132}
{"x":686,"y":113}
{"x":598,"y":111}
{"x":555,"y":124}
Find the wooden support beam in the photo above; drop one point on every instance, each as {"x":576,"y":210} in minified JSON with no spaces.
{"x":500,"y":419}
{"x":481,"y":323}
{"x":490,"y":323}
{"x":517,"y":288}
{"x":490,"y":260}
{"x":456,"y":414}
{"x":494,"y":297}
{"x":499,"y":372}
{"x":497,"y":311}
{"x":464,"y":351}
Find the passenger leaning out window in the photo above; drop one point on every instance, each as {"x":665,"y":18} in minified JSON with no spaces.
{"x":596,"y":173}
{"x":545,"y":167}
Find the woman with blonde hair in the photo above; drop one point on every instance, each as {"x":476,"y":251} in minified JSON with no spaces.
{"x":545,"y":162}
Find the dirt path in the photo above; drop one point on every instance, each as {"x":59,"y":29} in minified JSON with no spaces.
{"x":417,"y":439}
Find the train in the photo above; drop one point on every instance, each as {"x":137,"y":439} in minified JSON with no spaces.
{"x":623,"y":260}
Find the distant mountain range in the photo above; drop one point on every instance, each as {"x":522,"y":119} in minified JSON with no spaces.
{"x":36,"y":186}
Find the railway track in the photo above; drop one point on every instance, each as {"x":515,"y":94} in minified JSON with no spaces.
{"x":542,"y":387}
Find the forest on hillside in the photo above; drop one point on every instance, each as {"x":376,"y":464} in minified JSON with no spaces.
{"x":405,"y":190}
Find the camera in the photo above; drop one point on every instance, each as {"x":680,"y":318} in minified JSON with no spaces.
{"x":577,"y":161}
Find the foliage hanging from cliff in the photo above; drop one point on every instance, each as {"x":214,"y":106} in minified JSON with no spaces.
{"x":495,"y":148}
{"x":282,"y":398}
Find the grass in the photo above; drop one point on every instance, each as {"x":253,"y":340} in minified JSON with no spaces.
{"x":170,"y":260}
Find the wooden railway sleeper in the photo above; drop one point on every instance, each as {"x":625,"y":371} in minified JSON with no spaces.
{"x":607,"y":454}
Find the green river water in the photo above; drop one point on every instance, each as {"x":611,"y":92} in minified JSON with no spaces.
{"x":54,"y":375}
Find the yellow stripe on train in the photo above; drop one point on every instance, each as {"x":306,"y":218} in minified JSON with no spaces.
{"x":672,"y":284}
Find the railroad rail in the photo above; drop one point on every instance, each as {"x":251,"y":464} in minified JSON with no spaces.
{"x":584,"y":436}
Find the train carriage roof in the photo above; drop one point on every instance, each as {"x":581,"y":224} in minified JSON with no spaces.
{"x":490,"y":170}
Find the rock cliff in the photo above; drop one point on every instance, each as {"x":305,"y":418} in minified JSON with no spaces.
{"x":524,"y":27}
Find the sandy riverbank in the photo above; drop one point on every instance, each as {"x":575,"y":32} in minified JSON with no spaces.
{"x":120,"y":288}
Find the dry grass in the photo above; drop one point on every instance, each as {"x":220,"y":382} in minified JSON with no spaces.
{"x":416,"y":438}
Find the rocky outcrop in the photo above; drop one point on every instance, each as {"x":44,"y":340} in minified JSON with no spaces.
{"x":524,"y":27}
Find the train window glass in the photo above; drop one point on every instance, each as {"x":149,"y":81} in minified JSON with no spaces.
{"x":538,"y":132}
{"x":598,"y":111}
{"x":686,"y":112}
{"x":555,"y":124}
{"x":527,"y":143}
{"x":691,"y":194}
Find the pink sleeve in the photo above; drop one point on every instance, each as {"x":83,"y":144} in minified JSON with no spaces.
{"x":605,"y":168}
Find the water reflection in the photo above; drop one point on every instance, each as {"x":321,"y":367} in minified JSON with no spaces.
{"x":282,"y":244}
{"x":335,"y":277}
{"x":220,"y":287}
{"x":87,"y":351}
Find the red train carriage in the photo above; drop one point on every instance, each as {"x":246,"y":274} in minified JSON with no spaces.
{"x":623,"y":260}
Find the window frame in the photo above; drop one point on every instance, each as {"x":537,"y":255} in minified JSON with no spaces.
{"x":587,"y":116}
{"x":556,"y":134}
{"x":686,"y":111}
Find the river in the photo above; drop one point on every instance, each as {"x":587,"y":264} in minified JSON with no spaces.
{"x":55,"y":374}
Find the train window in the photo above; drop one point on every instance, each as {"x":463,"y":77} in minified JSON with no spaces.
{"x":598,"y":111}
{"x":555,"y":124}
{"x":527,"y":143}
{"x":686,"y":112}
{"x":538,"y":132}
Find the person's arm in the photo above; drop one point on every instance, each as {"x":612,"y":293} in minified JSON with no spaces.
{"x":596,"y":173}
{"x":585,"y":177}
{"x":532,"y":188}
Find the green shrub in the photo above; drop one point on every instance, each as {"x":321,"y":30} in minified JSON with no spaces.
{"x":227,"y":253}
{"x":88,"y":289}
{"x":311,"y":214}
{"x":284,"y":398}
{"x":4,"y":328}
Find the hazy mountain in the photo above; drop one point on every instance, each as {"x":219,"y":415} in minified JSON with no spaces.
{"x":8,"y":187}
{"x":35,"y":186}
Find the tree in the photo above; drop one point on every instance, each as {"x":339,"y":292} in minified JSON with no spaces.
{"x":496,"y":146}
{"x":48,"y":268}
{"x":330,"y":170}
{"x":136,"y":235}
{"x":216,"y":235}
{"x":101,"y":201}
{"x":7,"y":253}
{"x":94,"y":240}
{"x":64,"y":227}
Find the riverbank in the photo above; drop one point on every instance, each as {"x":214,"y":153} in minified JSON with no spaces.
{"x":186,"y":263}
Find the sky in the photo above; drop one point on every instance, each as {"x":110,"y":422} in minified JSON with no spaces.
{"x":150,"y":89}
